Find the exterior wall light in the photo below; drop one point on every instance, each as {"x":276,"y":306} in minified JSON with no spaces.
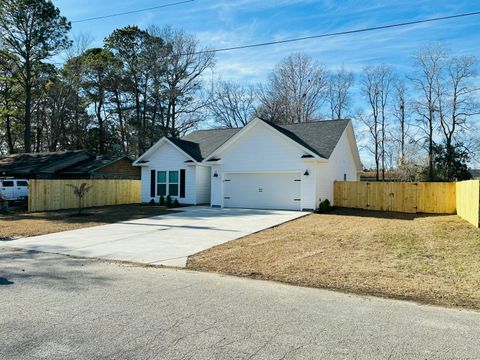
{"x":215,"y":174}
{"x":306,"y":173}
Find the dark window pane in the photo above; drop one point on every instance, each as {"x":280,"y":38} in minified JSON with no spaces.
{"x":22,"y":183}
{"x":161,"y":177}
{"x":161,"y":189}
{"x":173,"y":177}
{"x":173,"y":189}
{"x":7,"y":183}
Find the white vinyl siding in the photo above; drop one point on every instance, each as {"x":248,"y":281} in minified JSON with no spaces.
{"x":263,"y":150}
{"x":341,"y":163}
{"x":168,"y":158}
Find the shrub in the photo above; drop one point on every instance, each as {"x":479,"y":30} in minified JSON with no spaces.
{"x":324,"y":206}
{"x":176,"y":203}
{"x":161,"y":201}
{"x":152,"y":202}
{"x":168,"y":202}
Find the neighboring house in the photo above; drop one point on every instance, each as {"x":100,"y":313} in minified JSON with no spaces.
{"x":475,"y":174}
{"x":262,"y":165}
{"x":78,"y":164}
{"x":372,"y":176}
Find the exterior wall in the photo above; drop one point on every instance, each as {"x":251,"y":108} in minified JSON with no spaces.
{"x":168,"y":158}
{"x":119,"y":169}
{"x":262,"y":149}
{"x":203,"y":184}
{"x":341,"y":162}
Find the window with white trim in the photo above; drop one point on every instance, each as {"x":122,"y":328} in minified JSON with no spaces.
{"x":161,"y":183}
{"x":167,"y":183}
{"x":173,"y":183}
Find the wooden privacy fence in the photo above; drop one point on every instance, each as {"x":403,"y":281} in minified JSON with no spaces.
{"x":428,"y":197}
{"x":55,"y":194}
{"x":462,"y":197}
{"x":468,"y":201}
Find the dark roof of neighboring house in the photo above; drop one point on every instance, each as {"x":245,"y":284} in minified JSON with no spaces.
{"x":320,"y":137}
{"x":47,"y":162}
{"x":93,"y":164}
{"x":475,"y":173}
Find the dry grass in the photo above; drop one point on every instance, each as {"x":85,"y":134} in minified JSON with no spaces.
{"x":432,"y":259}
{"x":20,"y":224}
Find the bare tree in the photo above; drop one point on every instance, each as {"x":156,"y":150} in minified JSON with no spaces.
{"x":185,"y":65}
{"x":338,"y":92}
{"x":456,"y":97}
{"x":429,"y":63}
{"x":232,"y":105}
{"x":80,"y":191}
{"x":400,"y":113}
{"x":376,"y":87}
{"x":295,"y":90}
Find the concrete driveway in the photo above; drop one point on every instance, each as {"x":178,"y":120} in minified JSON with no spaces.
{"x":55,"y":307}
{"x":166,"y":239}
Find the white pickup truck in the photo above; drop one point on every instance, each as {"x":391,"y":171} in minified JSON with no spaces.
{"x":14,"y":189}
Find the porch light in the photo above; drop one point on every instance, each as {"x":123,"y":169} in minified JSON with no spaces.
{"x":306,"y":173}
{"x":215,"y":174}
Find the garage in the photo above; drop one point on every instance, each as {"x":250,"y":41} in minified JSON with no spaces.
{"x":263,"y":190}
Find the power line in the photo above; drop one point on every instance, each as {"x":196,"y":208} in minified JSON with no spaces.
{"x":339,"y":33}
{"x":133,"y":11}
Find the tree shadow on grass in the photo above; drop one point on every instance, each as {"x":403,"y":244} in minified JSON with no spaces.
{"x":104,"y":214}
{"x":383,"y":214}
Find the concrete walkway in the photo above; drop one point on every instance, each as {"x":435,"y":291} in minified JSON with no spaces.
{"x":55,"y":307}
{"x":167,"y":239}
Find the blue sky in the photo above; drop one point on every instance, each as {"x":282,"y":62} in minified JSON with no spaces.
{"x":222,"y":23}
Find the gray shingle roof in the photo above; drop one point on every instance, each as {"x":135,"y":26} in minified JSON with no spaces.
{"x":92,"y":164}
{"x":199,"y":144}
{"x":320,"y":137}
{"x":48,"y":162}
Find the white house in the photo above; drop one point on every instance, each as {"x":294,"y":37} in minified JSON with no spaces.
{"x":261,"y":165}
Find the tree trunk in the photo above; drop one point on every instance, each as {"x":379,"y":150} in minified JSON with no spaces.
{"x":28,"y":108}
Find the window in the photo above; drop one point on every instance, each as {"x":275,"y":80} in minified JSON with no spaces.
{"x":167,"y":183}
{"x":161,"y":183}
{"x":8,"y":183}
{"x":22,"y":183}
{"x":173,"y":183}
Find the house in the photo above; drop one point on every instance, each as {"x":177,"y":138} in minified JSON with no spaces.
{"x":475,"y":174}
{"x":77,"y":164}
{"x":390,"y":175}
{"x":261,"y":165}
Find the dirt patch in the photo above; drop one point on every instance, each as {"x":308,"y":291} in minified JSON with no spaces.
{"x":432,"y":259}
{"x":21,"y":224}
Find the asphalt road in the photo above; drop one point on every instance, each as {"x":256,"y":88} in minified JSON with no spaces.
{"x":56,"y":307}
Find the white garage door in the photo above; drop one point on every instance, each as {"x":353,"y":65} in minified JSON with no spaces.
{"x":263,"y":191}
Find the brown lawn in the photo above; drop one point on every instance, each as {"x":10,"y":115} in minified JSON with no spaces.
{"x":20,"y":224}
{"x":431,"y":259}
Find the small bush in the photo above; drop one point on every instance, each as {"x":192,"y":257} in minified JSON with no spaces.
{"x":161,"y":201}
{"x":168,"y":202}
{"x":324,"y":206}
{"x":176,"y":203}
{"x":152,"y":202}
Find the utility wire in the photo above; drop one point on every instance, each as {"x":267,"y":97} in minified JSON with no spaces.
{"x":339,"y":33}
{"x":133,"y":11}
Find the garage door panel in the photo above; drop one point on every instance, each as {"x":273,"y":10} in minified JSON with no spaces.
{"x":263,"y":190}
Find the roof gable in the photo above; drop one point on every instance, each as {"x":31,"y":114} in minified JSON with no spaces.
{"x":317,"y":138}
